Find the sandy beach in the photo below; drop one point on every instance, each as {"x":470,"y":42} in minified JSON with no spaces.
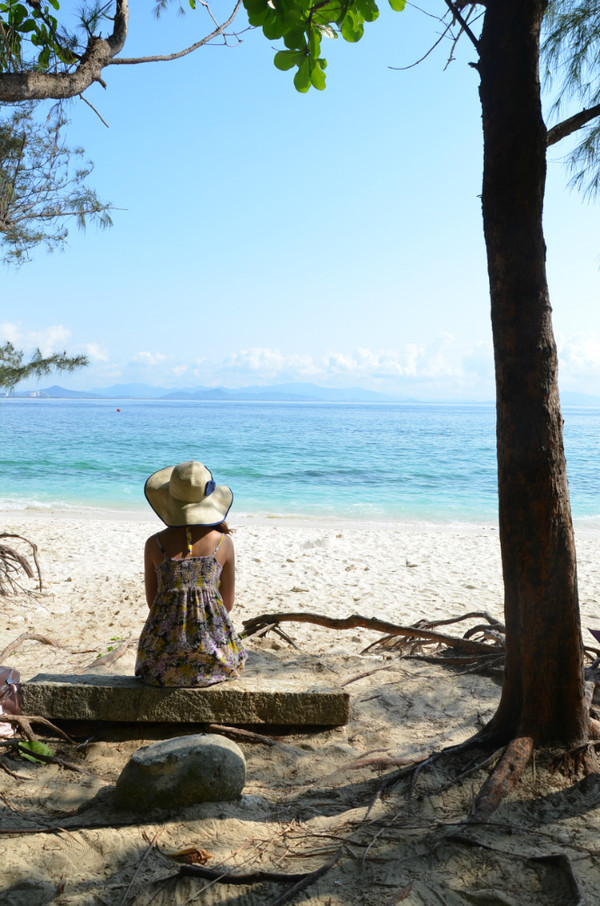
{"x":309,"y":794}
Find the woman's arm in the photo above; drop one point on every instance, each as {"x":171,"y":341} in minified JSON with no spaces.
{"x":227,"y":561}
{"x":150,"y":563}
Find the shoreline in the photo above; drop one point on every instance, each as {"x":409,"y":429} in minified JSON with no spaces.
{"x":582,"y":527}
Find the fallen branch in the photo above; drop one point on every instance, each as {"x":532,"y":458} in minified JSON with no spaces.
{"x":308,"y":880}
{"x":299,"y":881}
{"x":111,"y":657}
{"x":473,"y":614}
{"x":24,"y":722}
{"x":12,"y":563}
{"x":255,"y":624}
{"x":258,"y":877}
{"x":27,"y":637}
{"x":244,"y":735}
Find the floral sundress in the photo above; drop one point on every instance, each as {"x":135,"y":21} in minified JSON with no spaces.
{"x":188,"y":638}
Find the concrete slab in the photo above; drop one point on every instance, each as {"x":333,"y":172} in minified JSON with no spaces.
{"x":255,"y":699}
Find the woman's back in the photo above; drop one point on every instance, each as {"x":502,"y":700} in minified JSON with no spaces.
{"x":188,"y":638}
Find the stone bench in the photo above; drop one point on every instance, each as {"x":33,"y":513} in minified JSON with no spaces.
{"x":125,"y":699}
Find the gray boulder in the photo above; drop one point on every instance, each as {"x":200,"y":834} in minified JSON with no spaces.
{"x":179,"y":772}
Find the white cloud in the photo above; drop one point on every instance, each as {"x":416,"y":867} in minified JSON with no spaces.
{"x":439,"y":360}
{"x":269,"y":365}
{"x":96,"y":353}
{"x":49,"y":339}
{"x":580,"y":355}
{"x":149,"y":358}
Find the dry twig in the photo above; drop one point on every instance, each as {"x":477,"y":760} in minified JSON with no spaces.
{"x":111,"y":657}
{"x":27,"y":637}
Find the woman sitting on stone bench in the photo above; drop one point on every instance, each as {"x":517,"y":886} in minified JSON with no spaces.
{"x":189,"y":568}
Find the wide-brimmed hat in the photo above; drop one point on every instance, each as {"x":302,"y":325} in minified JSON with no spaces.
{"x":187,"y":495}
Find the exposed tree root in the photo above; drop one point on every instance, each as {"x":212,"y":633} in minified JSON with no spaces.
{"x":12,"y":564}
{"x":24,"y":722}
{"x":413,"y":771}
{"x":299,"y":881}
{"x":504,"y":777}
{"x":418,"y":635}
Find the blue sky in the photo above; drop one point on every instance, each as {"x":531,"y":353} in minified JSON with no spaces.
{"x":265,"y":236}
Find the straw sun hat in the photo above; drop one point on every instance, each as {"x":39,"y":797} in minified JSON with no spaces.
{"x":187,"y":495}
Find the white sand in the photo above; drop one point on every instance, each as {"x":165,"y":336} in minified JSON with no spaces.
{"x":93,"y":577}
{"x":302,"y":799}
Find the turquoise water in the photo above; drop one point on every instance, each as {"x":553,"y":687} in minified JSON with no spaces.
{"x":364,"y":461}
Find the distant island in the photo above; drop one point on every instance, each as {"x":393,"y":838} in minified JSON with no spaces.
{"x":276,"y":393}
{"x":305,"y":393}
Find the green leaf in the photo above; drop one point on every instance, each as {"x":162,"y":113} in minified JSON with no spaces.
{"x":272,"y":26}
{"x":398,"y":5}
{"x":368,"y":10}
{"x":352,"y":26}
{"x":327,"y":31}
{"x":34,"y":747}
{"x":302,"y":77}
{"x":317,"y":76}
{"x":286,"y":59}
{"x":295,"y":39}
{"x":314,"y":43}
{"x":44,"y":58}
{"x":17,"y":15}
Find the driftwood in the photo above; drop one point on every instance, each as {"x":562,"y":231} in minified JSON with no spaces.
{"x":411,"y":641}
{"x":299,"y":881}
{"x":356,"y":621}
{"x":24,"y":722}
{"x":27,"y":637}
{"x":12,"y":564}
{"x":111,"y":657}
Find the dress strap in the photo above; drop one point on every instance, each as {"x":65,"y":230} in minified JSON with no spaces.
{"x":188,"y":540}
{"x":162,"y":550}
{"x":214,"y":553}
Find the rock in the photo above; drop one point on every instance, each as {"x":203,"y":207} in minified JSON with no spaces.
{"x":175,"y":773}
{"x":251,"y":700}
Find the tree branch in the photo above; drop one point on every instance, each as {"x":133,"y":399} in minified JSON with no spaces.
{"x":455,"y":10}
{"x":572,"y":124}
{"x":356,"y":621}
{"x":165,"y":58}
{"x":36,"y":86}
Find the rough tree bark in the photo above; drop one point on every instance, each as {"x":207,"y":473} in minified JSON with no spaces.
{"x":543,"y":694}
{"x":29,"y":85}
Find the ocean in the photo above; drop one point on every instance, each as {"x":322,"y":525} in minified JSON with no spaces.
{"x":406,"y":462}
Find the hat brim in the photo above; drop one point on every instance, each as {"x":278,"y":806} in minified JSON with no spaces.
{"x":211,"y":510}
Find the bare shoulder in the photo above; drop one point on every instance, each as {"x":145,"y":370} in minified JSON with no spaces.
{"x":152,"y":550}
{"x":226,"y":548}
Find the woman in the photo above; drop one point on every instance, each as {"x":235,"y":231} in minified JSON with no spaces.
{"x":189,"y":568}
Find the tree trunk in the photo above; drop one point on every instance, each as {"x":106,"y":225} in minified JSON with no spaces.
{"x":543,"y":694}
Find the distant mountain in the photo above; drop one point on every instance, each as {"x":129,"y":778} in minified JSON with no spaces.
{"x":274,"y":393}
{"x":314,"y":393}
{"x":572,"y":398}
{"x":131,"y":392}
{"x":58,"y":393}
